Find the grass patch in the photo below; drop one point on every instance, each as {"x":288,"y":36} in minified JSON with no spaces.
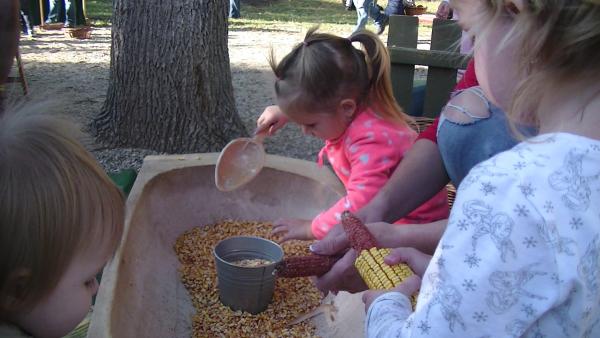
{"x":274,"y":15}
{"x":270,"y":15}
{"x":99,"y":12}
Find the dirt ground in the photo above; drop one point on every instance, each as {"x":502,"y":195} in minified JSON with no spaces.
{"x":75,"y":73}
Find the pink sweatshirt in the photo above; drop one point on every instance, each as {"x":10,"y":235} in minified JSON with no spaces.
{"x":364,"y":158}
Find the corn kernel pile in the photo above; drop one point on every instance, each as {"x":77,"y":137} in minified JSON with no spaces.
{"x":292,"y":296}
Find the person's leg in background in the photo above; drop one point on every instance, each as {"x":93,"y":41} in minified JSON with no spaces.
{"x":417,"y":102}
{"x":34,"y":12}
{"x":394,"y":7}
{"x":234,"y":9}
{"x":361,"y":13}
{"x":380,"y":19}
{"x":56,"y":11}
{"x":74,"y":12}
{"x":349,"y":5}
{"x":26,"y":27}
{"x":366,"y":9}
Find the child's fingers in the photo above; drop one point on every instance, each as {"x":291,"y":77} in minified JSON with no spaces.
{"x":288,"y":236}
{"x":280,"y":229}
{"x":414,"y":258}
{"x":333,"y":243}
{"x":282,"y":236}
{"x":261,"y":128}
{"x":369,"y":296}
{"x":409,"y":286}
{"x":281,"y":222}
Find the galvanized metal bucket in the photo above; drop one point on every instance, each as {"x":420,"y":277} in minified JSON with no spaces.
{"x":247,"y":289}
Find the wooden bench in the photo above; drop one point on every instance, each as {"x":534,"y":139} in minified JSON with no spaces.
{"x":443,"y":61}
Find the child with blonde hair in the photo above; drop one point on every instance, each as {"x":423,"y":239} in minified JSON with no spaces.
{"x":61,"y":220}
{"x":343,"y":95}
{"x":520,"y":256}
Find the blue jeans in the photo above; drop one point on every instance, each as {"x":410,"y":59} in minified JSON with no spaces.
{"x":394,"y":7}
{"x":417,"y":101}
{"x":68,"y":11}
{"x":462,"y":146}
{"x":234,"y":9}
{"x":364,"y":10}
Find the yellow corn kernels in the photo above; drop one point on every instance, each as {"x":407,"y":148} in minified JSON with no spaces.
{"x":377,"y":274}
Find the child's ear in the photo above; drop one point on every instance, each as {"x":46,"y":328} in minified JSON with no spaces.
{"x":347,"y":107}
{"x":15,"y":288}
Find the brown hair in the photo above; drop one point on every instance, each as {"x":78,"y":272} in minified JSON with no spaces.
{"x":559,"y":42}
{"x":324,"y":68}
{"x":55,"y":202}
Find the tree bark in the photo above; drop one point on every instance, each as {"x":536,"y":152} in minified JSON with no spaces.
{"x":9,"y":41}
{"x":9,"y":35}
{"x":170,"y":86}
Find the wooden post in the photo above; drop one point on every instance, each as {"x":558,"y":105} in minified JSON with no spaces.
{"x":445,"y":36}
{"x":42,"y":21}
{"x":403,"y":34}
{"x":85,"y":18}
{"x":442,"y":61}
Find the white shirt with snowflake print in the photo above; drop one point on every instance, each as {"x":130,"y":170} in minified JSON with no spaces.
{"x":521,"y":254}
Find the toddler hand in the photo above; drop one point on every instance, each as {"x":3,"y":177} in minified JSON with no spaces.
{"x":408,"y":287}
{"x":415,"y":259}
{"x":271,"y":120}
{"x":292,"y":229}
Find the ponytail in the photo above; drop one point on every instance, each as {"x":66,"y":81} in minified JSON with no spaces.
{"x":380,"y":94}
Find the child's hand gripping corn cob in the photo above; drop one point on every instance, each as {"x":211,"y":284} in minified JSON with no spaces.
{"x":370,"y":265}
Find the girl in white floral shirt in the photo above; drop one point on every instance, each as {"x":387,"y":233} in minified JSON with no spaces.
{"x":520,"y":256}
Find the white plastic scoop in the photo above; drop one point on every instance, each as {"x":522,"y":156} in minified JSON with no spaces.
{"x":239,"y":162}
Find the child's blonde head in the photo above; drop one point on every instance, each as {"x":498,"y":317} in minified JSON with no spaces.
{"x":325,"y":68}
{"x":558,"y":41}
{"x":55,"y":203}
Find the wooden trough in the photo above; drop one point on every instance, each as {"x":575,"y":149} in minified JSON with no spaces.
{"x":141,"y":294}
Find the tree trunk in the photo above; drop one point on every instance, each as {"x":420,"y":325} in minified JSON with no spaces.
{"x":170,"y":84}
{"x":9,"y":39}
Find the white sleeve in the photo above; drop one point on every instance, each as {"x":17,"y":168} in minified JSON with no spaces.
{"x":491,"y":275}
{"x":387,"y":313}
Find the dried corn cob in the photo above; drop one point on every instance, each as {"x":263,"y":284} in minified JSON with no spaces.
{"x":358,"y":234}
{"x":303,"y":266}
{"x":370,"y":265}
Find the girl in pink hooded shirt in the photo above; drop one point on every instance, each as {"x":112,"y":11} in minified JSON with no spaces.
{"x":343,"y":95}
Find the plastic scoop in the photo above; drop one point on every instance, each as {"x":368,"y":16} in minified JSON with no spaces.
{"x":239,"y":162}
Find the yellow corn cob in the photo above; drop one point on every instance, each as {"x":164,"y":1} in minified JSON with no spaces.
{"x":369,"y":263}
{"x":379,"y":275}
